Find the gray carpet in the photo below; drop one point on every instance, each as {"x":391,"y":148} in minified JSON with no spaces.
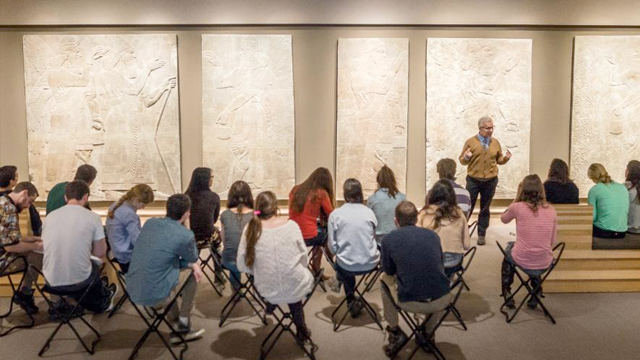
{"x":590,"y":326}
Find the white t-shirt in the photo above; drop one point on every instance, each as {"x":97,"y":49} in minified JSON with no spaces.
{"x":68,"y":234}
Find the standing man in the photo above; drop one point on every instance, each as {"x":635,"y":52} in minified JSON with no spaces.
{"x":482,"y":154}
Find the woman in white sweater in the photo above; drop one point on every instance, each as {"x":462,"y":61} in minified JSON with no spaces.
{"x":273,"y":251}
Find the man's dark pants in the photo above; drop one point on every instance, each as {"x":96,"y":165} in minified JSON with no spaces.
{"x":486,"y":188}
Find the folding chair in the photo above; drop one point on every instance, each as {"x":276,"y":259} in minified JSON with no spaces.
{"x":67,"y":316}
{"x":372,"y":276}
{"x":458,"y":282}
{"x":6,"y":270}
{"x":418,"y":328}
{"x":315,"y":273}
{"x":245,"y":290}
{"x":284,"y":322}
{"x":472,"y":227}
{"x":157,"y":318}
{"x":116,"y":267}
{"x":206,"y":264}
{"x":534,"y":292}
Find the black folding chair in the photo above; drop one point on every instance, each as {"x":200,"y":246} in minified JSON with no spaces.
{"x":472,"y":227}
{"x":116,"y":267}
{"x":418,"y":327}
{"x":459,"y":283}
{"x":534,"y":292}
{"x":372,"y":276}
{"x":206,"y":264}
{"x":157,"y":318}
{"x":284,"y":322}
{"x":9,"y":268}
{"x":313,"y":249}
{"x":245,"y":291}
{"x":72,"y":312}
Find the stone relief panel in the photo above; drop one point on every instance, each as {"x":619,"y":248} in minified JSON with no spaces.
{"x":373,"y":79}
{"x":605,"y":121}
{"x":471,"y":78}
{"x":248,"y":112}
{"x":106,"y":100}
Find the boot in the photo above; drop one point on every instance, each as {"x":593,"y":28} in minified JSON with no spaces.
{"x":506,"y":294}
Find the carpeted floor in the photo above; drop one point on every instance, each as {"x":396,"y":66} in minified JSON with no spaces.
{"x":590,"y":326}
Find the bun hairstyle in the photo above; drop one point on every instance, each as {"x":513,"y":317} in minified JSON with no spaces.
{"x":531,"y":191}
{"x":142,"y":192}
{"x":598,"y":174}
{"x":266,"y":207}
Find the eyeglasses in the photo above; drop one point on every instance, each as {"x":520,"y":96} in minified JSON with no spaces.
{"x":487,"y":128}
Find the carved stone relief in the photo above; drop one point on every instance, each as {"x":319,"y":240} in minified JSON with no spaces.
{"x":248,"y":112}
{"x":106,"y":100}
{"x":605,"y":122}
{"x":471,"y":78}
{"x":373,"y":78}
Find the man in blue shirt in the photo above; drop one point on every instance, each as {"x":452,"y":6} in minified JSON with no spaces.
{"x":164,"y":248}
{"x":412,"y":259}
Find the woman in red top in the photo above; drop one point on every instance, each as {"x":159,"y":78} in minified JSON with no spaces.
{"x":310,"y":204}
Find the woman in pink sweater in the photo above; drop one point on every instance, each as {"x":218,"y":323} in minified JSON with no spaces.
{"x":535,"y":234}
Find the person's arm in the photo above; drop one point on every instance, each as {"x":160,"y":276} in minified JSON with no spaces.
{"x":332,"y":239}
{"x":241,"y":258}
{"x":466,"y":238}
{"x":302,"y":247}
{"x":133,"y":230}
{"x":99,"y":248}
{"x":24,"y":247}
{"x":501,"y":158}
{"x":326,"y":204}
{"x":388,"y":265}
{"x":464,"y":158}
{"x":509,"y":214}
{"x":592,"y":199}
{"x":188,"y":252}
{"x":216,"y":208}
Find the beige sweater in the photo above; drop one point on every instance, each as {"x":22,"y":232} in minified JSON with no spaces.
{"x":454,"y":235}
{"x":483,"y":164}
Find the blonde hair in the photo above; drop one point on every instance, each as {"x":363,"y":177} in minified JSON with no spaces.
{"x":598,"y":174}
{"x":141,"y":192}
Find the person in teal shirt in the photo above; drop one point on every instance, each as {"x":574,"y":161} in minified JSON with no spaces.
{"x":610,"y":201}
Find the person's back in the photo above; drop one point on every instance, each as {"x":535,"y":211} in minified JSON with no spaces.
{"x":205,"y":209}
{"x":164,"y":246}
{"x":280,"y":267}
{"x":68,"y":235}
{"x":561,"y":193}
{"x":383,"y":206}
{"x":351,"y":237}
{"x":318,"y":201}
{"x":55,"y":199}
{"x":414,"y":256}
{"x":535,"y":235}
{"x":634,"y":210}
{"x":232,"y":225}
{"x":610,"y":206}
{"x":122,"y":231}
{"x":453,"y":233}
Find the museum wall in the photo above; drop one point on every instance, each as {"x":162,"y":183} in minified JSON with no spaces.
{"x":315,"y":75}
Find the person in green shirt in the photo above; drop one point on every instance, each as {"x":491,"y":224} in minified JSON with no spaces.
{"x":55,"y":199}
{"x":610,"y":201}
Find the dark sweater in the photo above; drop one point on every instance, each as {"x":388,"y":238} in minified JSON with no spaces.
{"x":414,"y":256}
{"x":558,"y":193}
{"x":205,"y":209}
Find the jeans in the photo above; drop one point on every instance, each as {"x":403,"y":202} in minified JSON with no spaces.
{"x":452,"y":262}
{"x":348,"y":279}
{"x":297,"y":315}
{"x":607,"y":234}
{"x":97,"y":299}
{"x":235,"y":277}
{"x":486,"y":189}
{"x":509,"y":269}
{"x":188,"y":296}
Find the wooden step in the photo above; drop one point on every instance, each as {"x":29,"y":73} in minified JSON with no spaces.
{"x":576,"y":242}
{"x":576,"y":220}
{"x":572,"y":229}
{"x":581,"y":281}
{"x":586,"y":259}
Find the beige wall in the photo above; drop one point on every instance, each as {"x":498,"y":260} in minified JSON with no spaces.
{"x":314,"y":57}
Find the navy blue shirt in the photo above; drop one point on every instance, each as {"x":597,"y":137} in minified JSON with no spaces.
{"x":414,"y":256}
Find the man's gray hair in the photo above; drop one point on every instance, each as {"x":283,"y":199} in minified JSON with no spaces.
{"x":483,"y":120}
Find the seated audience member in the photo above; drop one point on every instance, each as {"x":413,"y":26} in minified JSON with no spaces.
{"x":165,"y":247}
{"x":273,"y":251}
{"x":441,"y":214}
{"x":352,"y":239}
{"x":56,"y":200}
{"x":383,"y":202}
{"x":71,"y":235}
{"x":238,"y":214}
{"x":535,"y":235}
{"x":633,"y":185}
{"x":123,"y":223}
{"x":13,"y":244}
{"x":8,"y":179}
{"x":205,"y":210}
{"x":412,"y":264}
{"x":610,"y":201}
{"x":446,"y":169}
{"x":558,"y":188}
{"x":310,"y":205}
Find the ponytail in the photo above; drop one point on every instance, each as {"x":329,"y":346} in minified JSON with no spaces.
{"x":266,"y":207}
{"x":142,"y":192}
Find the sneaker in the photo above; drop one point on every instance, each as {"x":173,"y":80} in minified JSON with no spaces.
{"x":356,"y":308}
{"x":532,"y":303}
{"x":334,"y":284}
{"x":303,"y":336}
{"x":26,"y":302}
{"x":185,"y":333}
{"x":481,"y":240}
{"x":397,"y":339}
{"x":113,"y":289}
